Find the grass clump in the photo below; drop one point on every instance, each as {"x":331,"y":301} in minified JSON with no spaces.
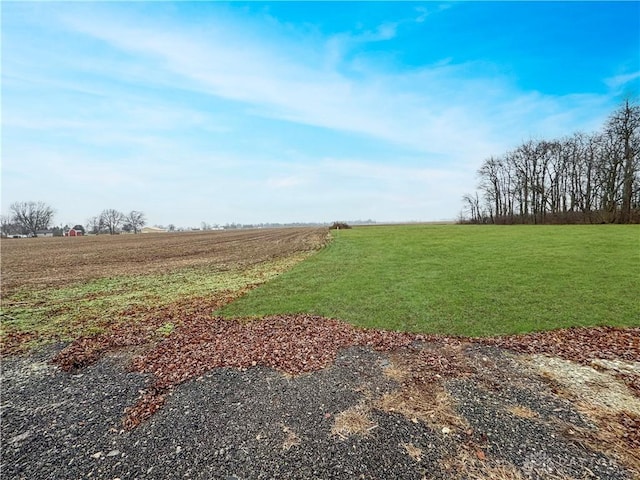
{"x":165,"y":329}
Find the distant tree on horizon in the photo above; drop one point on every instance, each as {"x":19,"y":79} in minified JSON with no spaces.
{"x":9,"y":227}
{"x":93,"y":225}
{"x":32,"y":216}
{"x":136,"y":220}
{"x":111,"y":220}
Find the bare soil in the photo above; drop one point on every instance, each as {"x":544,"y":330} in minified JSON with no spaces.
{"x":33,"y":269}
{"x":44,"y":262}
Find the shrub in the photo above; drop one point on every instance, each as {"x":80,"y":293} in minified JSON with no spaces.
{"x":339,"y":226}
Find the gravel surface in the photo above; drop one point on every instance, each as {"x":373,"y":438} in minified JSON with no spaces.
{"x":482,"y":413}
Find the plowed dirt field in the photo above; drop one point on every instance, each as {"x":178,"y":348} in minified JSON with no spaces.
{"x":42,"y":262}
{"x":61,"y":289}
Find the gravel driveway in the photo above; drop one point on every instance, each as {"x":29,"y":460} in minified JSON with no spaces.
{"x":486,"y":413}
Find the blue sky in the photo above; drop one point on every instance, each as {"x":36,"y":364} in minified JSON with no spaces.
{"x":281,"y":112}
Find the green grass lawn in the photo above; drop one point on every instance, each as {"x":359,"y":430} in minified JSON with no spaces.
{"x":468,"y":280}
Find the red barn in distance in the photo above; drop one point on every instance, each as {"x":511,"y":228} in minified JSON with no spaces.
{"x":77,"y":231}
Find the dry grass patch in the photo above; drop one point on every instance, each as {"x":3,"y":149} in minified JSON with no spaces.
{"x":432,"y":362}
{"x":430,"y":404}
{"x":353,"y":421}
{"x":472,"y":465}
{"x":291,"y":438}
{"x":522,"y":412}
{"x":413,"y":451}
{"x":617,"y":436}
{"x":421,"y":396}
{"x":395,"y":373}
{"x":498,"y":472}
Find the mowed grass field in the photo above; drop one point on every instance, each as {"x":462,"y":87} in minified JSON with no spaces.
{"x":467,"y":280}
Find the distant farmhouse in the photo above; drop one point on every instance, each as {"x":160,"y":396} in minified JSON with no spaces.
{"x":152,"y":230}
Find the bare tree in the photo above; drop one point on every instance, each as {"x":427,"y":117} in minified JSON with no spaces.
{"x":472,"y":206}
{"x":583,"y":178}
{"x":93,"y":225}
{"x":111,"y":219}
{"x":136,"y":220}
{"x":609,"y":177}
{"x":624,"y":127}
{"x":5,"y":224}
{"x":8,"y":226}
{"x":490,"y":173}
{"x":32,"y":216}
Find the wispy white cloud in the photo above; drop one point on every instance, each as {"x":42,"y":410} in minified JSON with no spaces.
{"x":274,"y":87}
{"x":442,"y":108}
{"x":619,"y":80}
{"x":212,"y":110}
{"x":423,"y":12}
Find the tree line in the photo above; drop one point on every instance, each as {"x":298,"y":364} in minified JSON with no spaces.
{"x":583,"y":178}
{"x":112,"y":221}
{"x":29,"y":218}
